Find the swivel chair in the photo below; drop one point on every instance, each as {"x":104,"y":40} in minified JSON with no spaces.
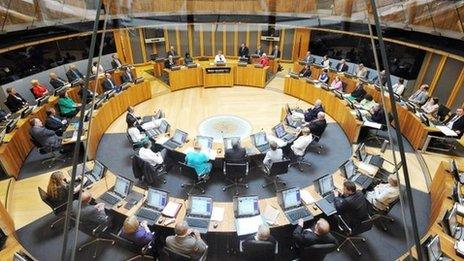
{"x":53,"y":153}
{"x":272,"y":174}
{"x":236,"y":171}
{"x":315,"y":144}
{"x":97,"y":232}
{"x":196,"y":181}
{"x":143,"y":170}
{"x":259,"y":250}
{"x":317,"y":252}
{"x":351,"y":234}
{"x":300,"y":160}
{"x":142,"y":252}
{"x":378,"y":215}
{"x":374,"y":135}
{"x":175,"y":256}
{"x":57,"y":208}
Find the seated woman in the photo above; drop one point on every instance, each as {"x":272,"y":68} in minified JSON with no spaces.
{"x":137,"y":137}
{"x":68,"y":108}
{"x":137,"y":232}
{"x":58,"y":187}
{"x":336,"y":84}
{"x":188,"y":59}
{"x":199,"y":161}
{"x":431,"y":106}
{"x":38,"y":90}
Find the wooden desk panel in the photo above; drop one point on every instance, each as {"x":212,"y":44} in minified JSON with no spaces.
{"x":218,"y":79}
{"x":185,"y":78}
{"x":250,"y":76}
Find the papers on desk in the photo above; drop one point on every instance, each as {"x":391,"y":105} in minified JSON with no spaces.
{"x":217,"y":214}
{"x":270,"y":215}
{"x":210,"y":152}
{"x":367,"y":168}
{"x":162,"y":139}
{"x":149,"y":125}
{"x":171,"y":209}
{"x":249,"y":225}
{"x":306,"y":197}
{"x":372,"y":124}
{"x":297,"y":115}
{"x":447,"y":131}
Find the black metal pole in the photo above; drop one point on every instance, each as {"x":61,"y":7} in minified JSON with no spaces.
{"x":80,"y":129}
{"x":396,"y":121}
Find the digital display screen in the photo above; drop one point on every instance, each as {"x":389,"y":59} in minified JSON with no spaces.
{"x":247,"y":206}
{"x":157,"y":198}
{"x":164,"y":126}
{"x":325,"y":184}
{"x":122,"y":186}
{"x":279,"y":130}
{"x":201,"y":206}
{"x":97,"y":171}
{"x":260,"y":138}
{"x":205,"y":142}
{"x":291,"y":198}
{"x":178,"y":136}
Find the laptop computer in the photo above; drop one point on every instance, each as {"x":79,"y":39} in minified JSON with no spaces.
{"x":230,"y":141}
{"x":291,"y":122}
{"x":432,"y":249}
{"x":290,"y":202}
{"x":324,"y":186}
{"x":177,"y":140}
{"x":205,"y":142}
{"x":348,"y":170}
{"x":247,"y":215}
{"x":260,"y":141}
{"x":199,"y":212}
{"x":155,"y":132}
{"x":153,"y":206}
{"x":362,"y":155}
{"x":121,"y":189}
{"x":92,"y":175}
{"x":281,"y":133}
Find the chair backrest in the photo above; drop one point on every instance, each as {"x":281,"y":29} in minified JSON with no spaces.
{"x":137,"y":166}
{"x":254,"y":250}
{"x":188,"y":171}
{"x":236,"y":169}
{"x":279,"y":167}
{"x":175,"y":256}
{"x":317,"y":252}
{"x":56,"y":207}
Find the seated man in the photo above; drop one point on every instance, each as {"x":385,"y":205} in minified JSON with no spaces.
{"x":324,"y":77}
{"x":342,"y":66}
{"x":398,"y":87}
{"x":311,"y":114}
{"x":199,"y":161}
{"x":378,"y":114}
{"x":109,"y":84}
{"x":456,"y":122}
{"x":169,"y":62}
{"x":299,"y":145}
{"x":243,"y":51}
{"x":263,"y":234}
{"x":14,"y":101}
{"x":90,"y":214}
{"x":55,"y":123}
{"x":115,"y":62}
{"x":88,"y":92}
{"x":188,"y":59}
{"x":154,"y":158}
{"x":68,"y":108}
{"x":131,"y":118}
{"x":384,"y":194}
{"x":172,"y":51}
{"x":137,"y":232}
{"x":127,"y":76}
{"x":38,"y":90}
{"x":43,"y":136}
{"x":318,"y":125}
{"x":219,"y":58}
{"x":351,"y":205}
{"x":137,"y":137}
{"x":56,"y":82}
{"x":361,"y":71}
{"x":187,"y":241}
{"x":73,"y":73}
{"x":273,"y":155}
{"x":236,"y":154}
{"x":309,"y":59}
{"x":319,"y":234}
{"x":97,"y":69}
{"x":381,"y":79}
{"x":3,"y":115}
{"x":305,"y":72}
{"x":420,"y":96}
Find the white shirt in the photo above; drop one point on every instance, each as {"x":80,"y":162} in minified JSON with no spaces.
{"x":326,"y":63}
{"x":452,"y":121}
{"x":398,"y":88}
{"x":299,"y":145}
{"x":154,"y":158}
{"x":272,"y":156}
{"x":219,"y":58}
{"x":100,"y":69}
{"x":135,"y":134}
{"x":383,"y":195}
{"x":429,"y":107}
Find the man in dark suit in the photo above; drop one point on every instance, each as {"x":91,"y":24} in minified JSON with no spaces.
{"x":306,"y":71}
{"x":3,"y":115}
{"x":378,"y":114}
{"x":311,"y":114}
{"x":14,"y":101}
{"x":54,"y":122}
{"x":309,"y":59}
{"x":43,"y":136}
{"x":169,"y":62}
{"x":82,"y":91}
{"x":235,"y":155}
{"x":243,"y":51}
{"x":319,"y":234}
{"x":127,"y":76}
{"x":318,"y":125}
{"x":115,"y":62}
{"x":55,"y":81}
{"x":172,"y":52}
{"x":73,"y":73}
{"x":259,"y":51}
{"x":109,"y":84}
{"x":342,"y":66}
{"x":132,"y":119}
{"x":351,"y":205}
{"x":456,"y":122}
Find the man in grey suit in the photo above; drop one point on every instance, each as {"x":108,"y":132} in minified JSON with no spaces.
{"x":188,"y":242}
{"x":42,"y":135}
{"x":420,"y":96}
{"x":90,"y":214}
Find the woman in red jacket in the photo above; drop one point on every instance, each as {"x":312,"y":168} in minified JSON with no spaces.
{"x":264,"y":60}
{"x":38,"y":90}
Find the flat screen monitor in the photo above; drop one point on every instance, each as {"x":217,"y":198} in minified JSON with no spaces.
{"x":348,"y":169}
{"x":291,"y":198}
{"x":98,"y":170}
{"x":260,"y":139}
{"x":279,"y":130}
{"x":434,"y":249}
{"x":157,"y":198}
{"x":361,"y":152}
{"x":229,"y":142}
{"x":247,"y":206}
{"x":205,"y":142}
{"x":201,"y":206}
{"x":325,"y":184}
{"x":164,"y":126}
{"x":122,"y":186}
{"x":179,"y":136}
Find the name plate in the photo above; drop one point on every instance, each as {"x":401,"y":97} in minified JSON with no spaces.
{"x":218,"y":70}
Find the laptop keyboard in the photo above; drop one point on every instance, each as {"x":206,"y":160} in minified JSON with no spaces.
{"x":147,"y":213}
{"x":200,"y":223}
{"x":297,"y":214}
{"x":110,"y":198}
{"x":361,"y":179}
{"x":330,"y":197}
{"x":171,"y":145}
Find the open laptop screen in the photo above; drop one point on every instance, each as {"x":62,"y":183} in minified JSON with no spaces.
{"x":279,"y":130}
{"x":291,"y":198}
{"x":179,"y":136}
{"x":201,"y":206}
{"x":260,"y":139}
{"x":325,"y":184}
{"x":122,"y":186}
{"x":247,"y":206}
{"x":434,"y":252}
{"x":348,"y":169}
{"x":97,"y":171}
{"x":164,"y":126}
{"x":157,"y":198}
{"x":205,"y":142}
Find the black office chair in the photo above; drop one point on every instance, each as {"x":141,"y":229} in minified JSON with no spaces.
{"x":196,"y":181}
{"x":351,"y":234}
{"x":315,"y":144}
{"x":175,"y":256}
{"x":57,"y":208}
{"x":300,"y":160}
{"x":317,"y":252}
{"x":272,"y":174}
{"x":135,"y":145}
{"x":259,"y":250}
{"x":53,"y":153}
{"x":97,"y":232}
{"x":142,"y":252}
{"x":378,"y":215}
{"x":143,"y":170}
{"x":373,"y":134}
{"x":236,"y":171}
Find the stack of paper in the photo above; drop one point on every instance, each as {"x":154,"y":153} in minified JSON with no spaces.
{"x":218,"y":214}
{"x":171,"y":209}
{"x":306,"y":197}
{"x":270,"y":215}
{"x":249,"y":225}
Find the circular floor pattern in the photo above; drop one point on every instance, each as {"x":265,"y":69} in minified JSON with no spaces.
{"x":224,"y":126}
